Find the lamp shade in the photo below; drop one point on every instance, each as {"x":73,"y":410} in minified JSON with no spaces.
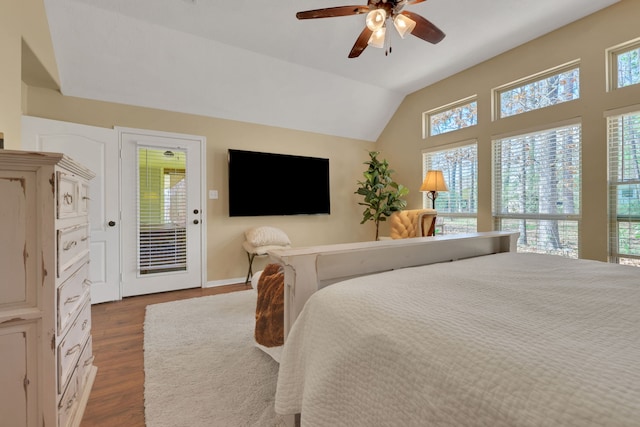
{"x":375,"y":19}
{"x":404,"y":25}
{"x":377,"y":37}
{"x":434,"y":181}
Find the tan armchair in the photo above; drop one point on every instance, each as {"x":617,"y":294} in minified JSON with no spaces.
{"x":412,"y":223}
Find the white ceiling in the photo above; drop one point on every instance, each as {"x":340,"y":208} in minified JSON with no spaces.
{"x":253,"y":61}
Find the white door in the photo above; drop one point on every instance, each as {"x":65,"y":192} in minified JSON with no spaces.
{"x":97,"y":149}
{"x":162,"y":229}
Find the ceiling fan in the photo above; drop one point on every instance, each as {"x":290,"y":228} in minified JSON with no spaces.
{"x":378,"y":12}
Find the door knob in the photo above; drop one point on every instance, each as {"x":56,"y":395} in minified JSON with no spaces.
{"x":112,"y":223}
{"x":195,"y":221}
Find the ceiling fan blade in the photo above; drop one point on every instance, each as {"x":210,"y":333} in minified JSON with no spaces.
{"x":330,"y":12}
{"x":361,"y":43}
{"x":424,"y":28}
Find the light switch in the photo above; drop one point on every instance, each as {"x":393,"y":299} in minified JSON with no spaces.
{"x":213,"y":194}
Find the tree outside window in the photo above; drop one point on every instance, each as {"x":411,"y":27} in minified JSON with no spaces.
{"x":537,"y":180}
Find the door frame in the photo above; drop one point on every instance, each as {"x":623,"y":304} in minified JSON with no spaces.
{"x":202,"y":142}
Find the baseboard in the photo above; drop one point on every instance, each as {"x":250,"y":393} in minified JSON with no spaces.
{"x":224,"y":282}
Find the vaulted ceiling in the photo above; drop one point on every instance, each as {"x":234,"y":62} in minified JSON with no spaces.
{"x":253,"y":61}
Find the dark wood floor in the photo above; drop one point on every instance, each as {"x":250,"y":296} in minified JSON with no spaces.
{"x":117,"y":397}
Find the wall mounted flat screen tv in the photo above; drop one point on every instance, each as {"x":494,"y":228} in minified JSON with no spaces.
{"x":263,"y":184}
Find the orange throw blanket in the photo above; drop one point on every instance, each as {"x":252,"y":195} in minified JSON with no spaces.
{"x":269,"y":330}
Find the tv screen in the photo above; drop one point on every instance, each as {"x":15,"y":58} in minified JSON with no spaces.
{"x":277,"y":184}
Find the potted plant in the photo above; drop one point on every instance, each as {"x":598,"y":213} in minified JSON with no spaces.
{"x":382,"y":195}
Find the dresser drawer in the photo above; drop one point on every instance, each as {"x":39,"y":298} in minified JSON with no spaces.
{"x":72,"y":195}
{"x":85,"y":363}
{"x":67,"y":196}
{"x":71,"y":294}
{"x":71,"y":346}
{"x":68,"y":402}
{"x":73,"y":246}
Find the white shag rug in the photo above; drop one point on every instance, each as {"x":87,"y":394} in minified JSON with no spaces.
{"x":202,"y":367}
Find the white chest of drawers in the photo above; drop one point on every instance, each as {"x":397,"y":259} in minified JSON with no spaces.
{"x":47,"y":366}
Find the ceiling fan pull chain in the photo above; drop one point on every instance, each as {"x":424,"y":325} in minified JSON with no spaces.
{"x":387,"y":42}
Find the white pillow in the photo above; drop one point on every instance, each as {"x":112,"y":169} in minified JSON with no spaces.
{"x":267,"y":236}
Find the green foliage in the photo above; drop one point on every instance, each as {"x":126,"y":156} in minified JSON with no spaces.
{"x":382,"y":195}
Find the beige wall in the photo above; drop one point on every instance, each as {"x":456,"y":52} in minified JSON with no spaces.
{"x":10,"y":87}
{"x":22,"y":21}
{"x":36,"y":35}
{"x":585,"y":40}
{"x":226,"y":259}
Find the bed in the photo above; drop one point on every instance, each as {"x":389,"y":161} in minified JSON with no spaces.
{"x":494,"y":337}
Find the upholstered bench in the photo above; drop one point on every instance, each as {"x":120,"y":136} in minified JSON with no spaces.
{"x":260,"y":240}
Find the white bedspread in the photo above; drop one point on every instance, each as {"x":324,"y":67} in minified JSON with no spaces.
{"x":502,"y":340}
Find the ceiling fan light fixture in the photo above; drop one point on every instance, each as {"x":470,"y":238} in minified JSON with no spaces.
{"x":377,"y":12}
{"x":377,"y":38}
{"x":375,"y":19}
{"x":404,"y":25}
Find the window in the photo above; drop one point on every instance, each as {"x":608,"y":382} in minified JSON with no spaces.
{"x":542,"y":90}
{"x":536,"y":189}
{"x":162,"y":210}
{"x":174,"y":196}
{"x":624,"y":64}
{"x":458,"y":207}
{"x":624,"y":188}
{"x":455,"y":116}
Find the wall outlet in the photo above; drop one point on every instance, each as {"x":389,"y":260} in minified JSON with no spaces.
{"x":213,"y":194}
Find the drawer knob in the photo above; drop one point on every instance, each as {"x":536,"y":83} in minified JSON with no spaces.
{"x":73,"y":349}
{"x":112,"y":223}
{"x":89,"y":361}
{"x":71,"y":401}
{"x":72,"y":299}
{"x":67,"y":198}
{"x":69,"y":245}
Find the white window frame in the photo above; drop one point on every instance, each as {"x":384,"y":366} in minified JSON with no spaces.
{"x":534,"y":216}
{"x":426,"y":116}
{"x":612,"y":62}
{"x":615,"y":254}
{"x":426,"y":202}
{"x":497,"y":92}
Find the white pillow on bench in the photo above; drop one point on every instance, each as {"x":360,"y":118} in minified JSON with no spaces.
{"x":267,"y":236}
